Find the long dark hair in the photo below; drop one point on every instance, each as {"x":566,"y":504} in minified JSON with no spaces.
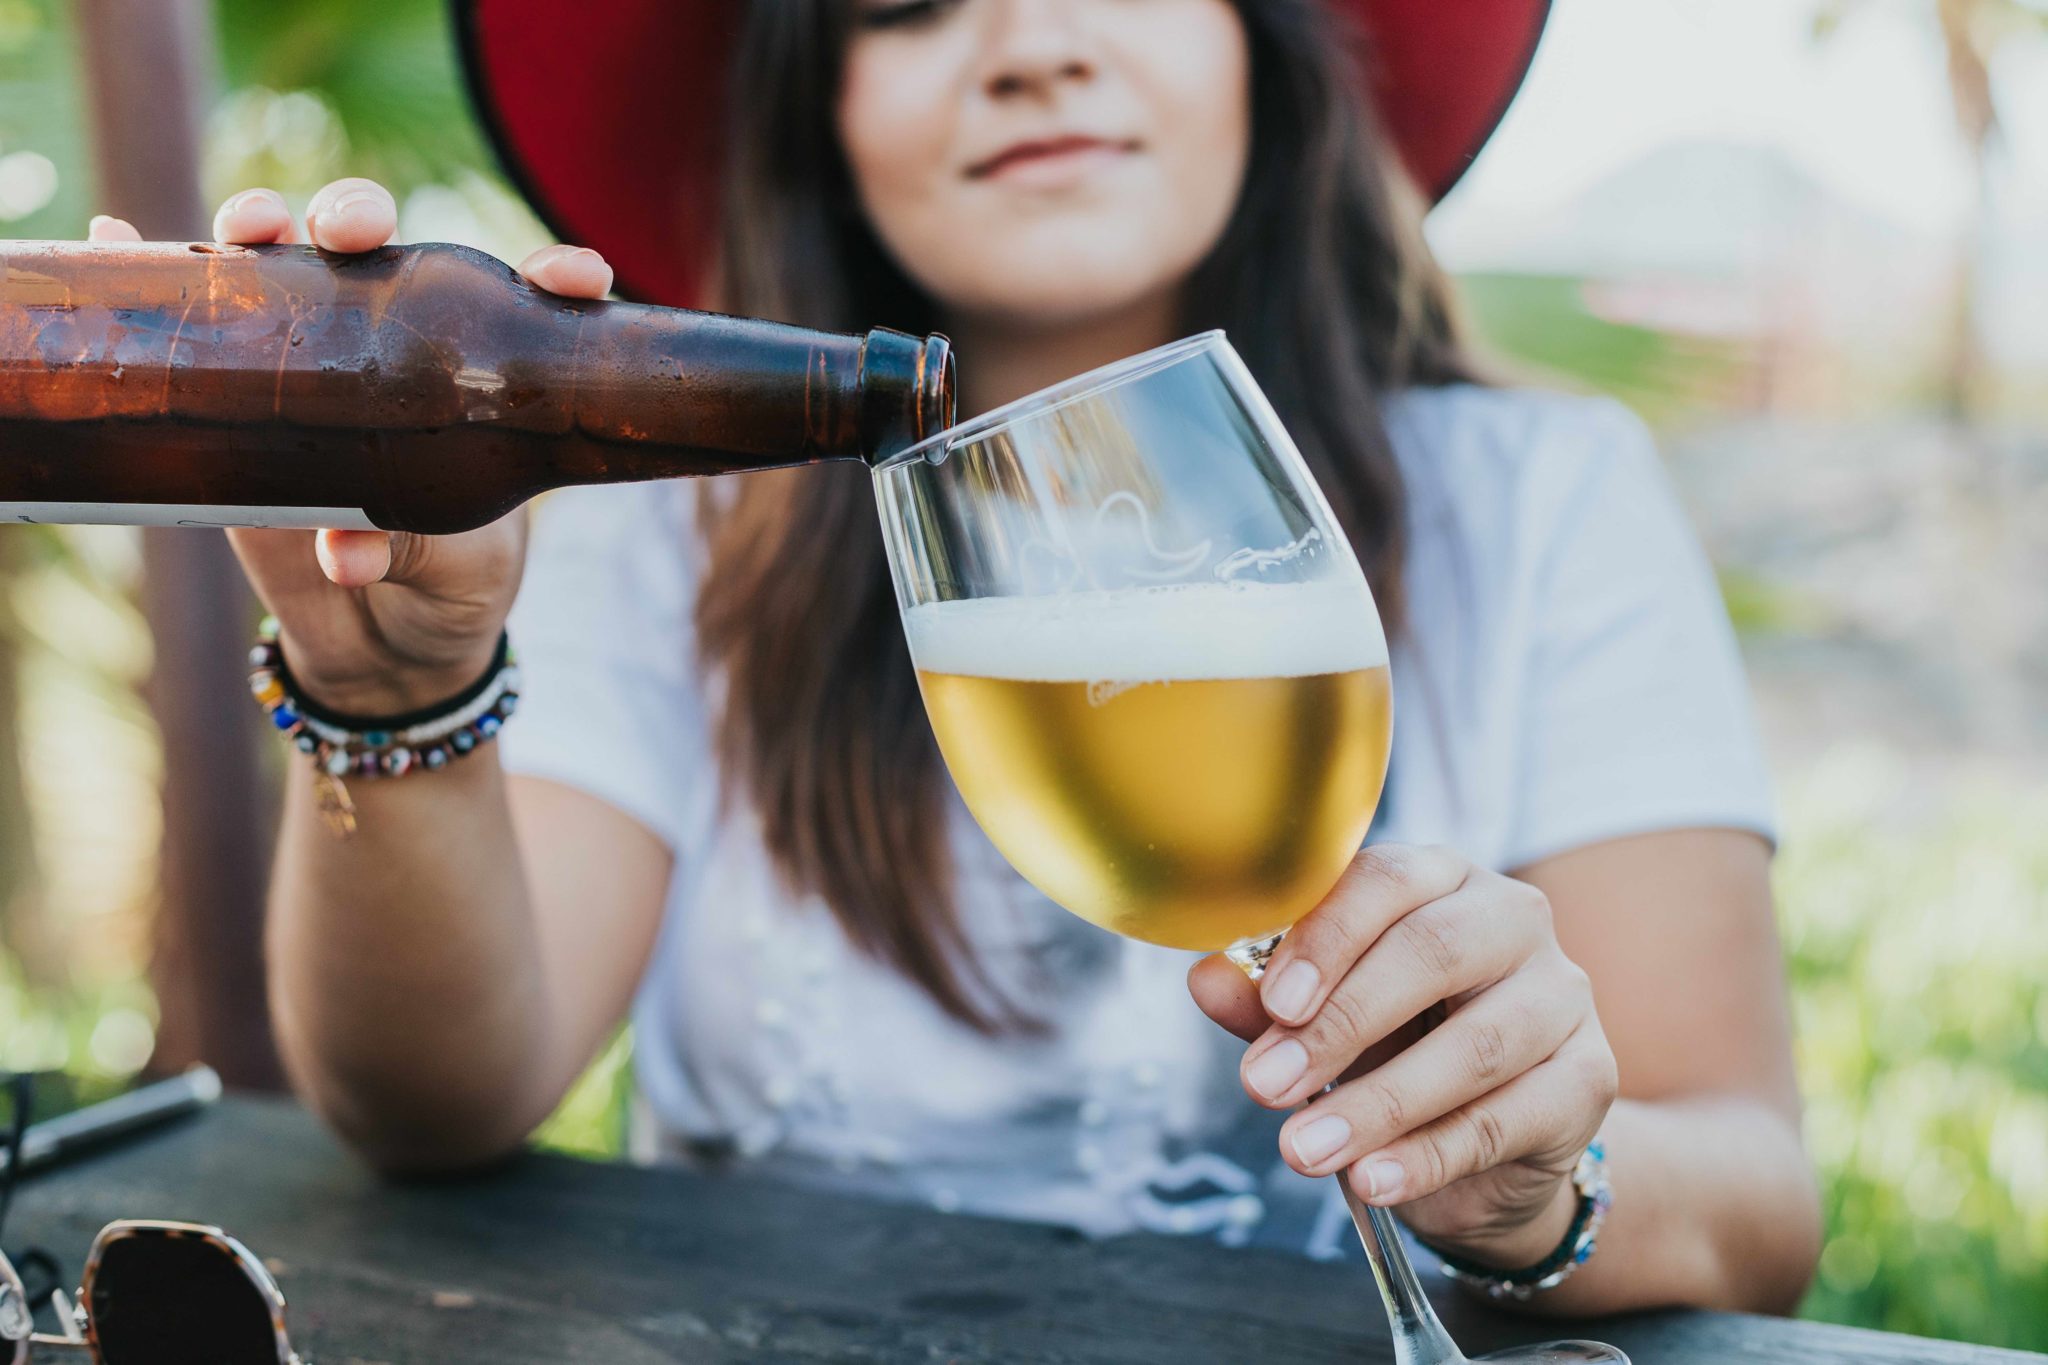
{"x":1322,"y":281}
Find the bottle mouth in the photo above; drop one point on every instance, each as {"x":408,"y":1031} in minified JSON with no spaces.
{"x":907,"y":391}
{"x":938,"y":407}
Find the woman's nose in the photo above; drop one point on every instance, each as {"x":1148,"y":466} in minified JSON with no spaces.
{"x":1031,"y":47}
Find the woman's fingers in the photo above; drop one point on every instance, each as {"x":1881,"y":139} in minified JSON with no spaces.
{"x":1464,"y":942}
{"x":1548,"y":1113}
{"x":1513,"y":1083}
{"x":353,"y":559}
{"x":1380,"y":886}
{"x":105,"y":229}
{"x":574,"y":272}
{"x":351,"y":215}
{"x":1228,"y":996}
{"x":1484,"y":1045}
{"x":254,"y":218}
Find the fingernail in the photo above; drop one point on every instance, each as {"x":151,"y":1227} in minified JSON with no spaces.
{"x":248,"y":197}
{"x":1383,"y":1176}
{"x":1277,"y":1068}
{"x":1288,"y":995}
{"x":1314,"y":1142}
{"x":353,"y":206}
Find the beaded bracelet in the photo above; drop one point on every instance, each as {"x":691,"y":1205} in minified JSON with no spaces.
{"x":341,"y":745}
{"x":1589,"y":1179}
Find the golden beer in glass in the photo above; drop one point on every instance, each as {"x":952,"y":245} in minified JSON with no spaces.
{"x":1193,"y":797}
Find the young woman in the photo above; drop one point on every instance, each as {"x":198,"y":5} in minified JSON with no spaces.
{"x":721,"y":809}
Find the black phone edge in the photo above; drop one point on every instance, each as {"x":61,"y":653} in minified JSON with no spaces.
{"x":59,"y":1139}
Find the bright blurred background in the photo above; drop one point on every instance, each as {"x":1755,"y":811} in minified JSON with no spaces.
{"x":1805,"y":238}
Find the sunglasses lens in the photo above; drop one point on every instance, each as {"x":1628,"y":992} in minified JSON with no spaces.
{"x":171,"y":1300}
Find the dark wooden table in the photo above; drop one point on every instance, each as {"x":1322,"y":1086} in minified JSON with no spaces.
{"x":555,"y":1261}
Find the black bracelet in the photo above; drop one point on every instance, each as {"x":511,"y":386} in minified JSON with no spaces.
{"x":306,"y":705}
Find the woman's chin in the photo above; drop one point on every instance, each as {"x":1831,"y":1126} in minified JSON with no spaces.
{"x":1056,"y":261}
{"x":1038,"y":300}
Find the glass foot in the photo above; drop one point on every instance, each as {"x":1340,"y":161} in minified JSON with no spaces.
{"x":1558,"y":1353}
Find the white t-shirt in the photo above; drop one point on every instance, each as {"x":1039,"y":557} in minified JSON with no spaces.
{"x":1569,"y":675}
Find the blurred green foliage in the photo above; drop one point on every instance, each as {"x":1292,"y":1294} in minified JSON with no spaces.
{"x":385,"y":67}
{"x":1757,"y":605}
{"x":1541,"y":327}
{"x":594,"y":1118}
{"x":42,"y":116}
{"x":99,"y":1035}
{"x":1919,"y":962}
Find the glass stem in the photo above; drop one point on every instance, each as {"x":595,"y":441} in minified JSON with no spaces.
{"x":1419,"y":1338}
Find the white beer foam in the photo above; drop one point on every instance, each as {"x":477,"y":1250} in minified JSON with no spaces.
{"x":1178,"y":633}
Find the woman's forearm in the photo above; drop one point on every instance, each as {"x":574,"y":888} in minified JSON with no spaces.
{"x":405,"y":973}
{"x":1714,"y":1206}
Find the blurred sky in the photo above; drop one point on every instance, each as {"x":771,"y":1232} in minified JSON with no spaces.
{"x":1866,"y":111}
{"x":1755,"y":137}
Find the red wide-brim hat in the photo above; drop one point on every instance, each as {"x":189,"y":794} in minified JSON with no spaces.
{"x":608,"y":117}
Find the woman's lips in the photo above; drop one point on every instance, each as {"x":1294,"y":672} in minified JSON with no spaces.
{"x":1049,"y":159}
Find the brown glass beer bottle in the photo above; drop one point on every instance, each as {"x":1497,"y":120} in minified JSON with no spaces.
{"x":423,"y":388}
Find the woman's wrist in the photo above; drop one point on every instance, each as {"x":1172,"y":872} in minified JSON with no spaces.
{"x":1524,"y":1244}
{"x":390,"y":690}
{"x":1593,"y":1196}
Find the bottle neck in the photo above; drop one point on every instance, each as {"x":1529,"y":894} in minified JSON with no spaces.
{"x":737,"y":393}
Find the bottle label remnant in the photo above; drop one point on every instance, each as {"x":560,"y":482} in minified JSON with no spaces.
{"x":184,"y":514}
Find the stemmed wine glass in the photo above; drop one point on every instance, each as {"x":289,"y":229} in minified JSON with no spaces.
{"x":1157,"y":675}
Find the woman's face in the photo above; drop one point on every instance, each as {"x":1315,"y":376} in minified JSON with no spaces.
{"x":1035,"y":163}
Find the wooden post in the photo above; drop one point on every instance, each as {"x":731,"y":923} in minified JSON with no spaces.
{"x":148,"y":68}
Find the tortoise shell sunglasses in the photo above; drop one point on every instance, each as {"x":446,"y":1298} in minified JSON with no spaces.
{"x":153,"y":1293}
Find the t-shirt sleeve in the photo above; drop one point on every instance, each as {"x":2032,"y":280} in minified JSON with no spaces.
{"x":610,"y":703}
{"x":1636,"y":713}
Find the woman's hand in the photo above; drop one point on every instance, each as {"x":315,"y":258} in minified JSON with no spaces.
{"x":373,"y":622}
{"x":1471,"y":1067}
